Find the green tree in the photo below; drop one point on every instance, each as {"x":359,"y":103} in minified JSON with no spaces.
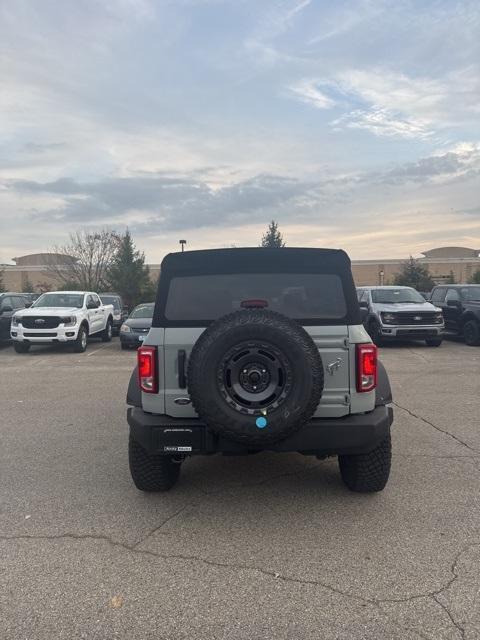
{"x":129,"y":276}
{"x":27,"y":286}
{"x":2,"y":288}
{"x":414,"y":274}
{"x":149,"y":292}
{"x":69,"y":285}
{"x":475,"y":279}
{"x":272,"y":237}
{"x":451,"y":278}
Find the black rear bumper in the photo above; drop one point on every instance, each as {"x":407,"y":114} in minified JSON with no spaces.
{"x":359,"y":433}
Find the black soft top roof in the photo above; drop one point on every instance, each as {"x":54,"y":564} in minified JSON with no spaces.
{"x":256,"y":260}
{"x":251,"y":259}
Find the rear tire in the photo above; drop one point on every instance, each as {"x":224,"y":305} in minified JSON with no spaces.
{"x":433,"y":342}
{"x":80,"y":344}
{"x":151,"y":472}
{"x":107,"y":333}
{"x":367,"y":472}
{"x":21,"y":347}
{"x":471,"y":333}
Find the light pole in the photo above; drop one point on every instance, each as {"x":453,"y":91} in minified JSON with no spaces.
{"x":183,"y":243}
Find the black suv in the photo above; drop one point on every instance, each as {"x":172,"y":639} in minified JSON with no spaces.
{"x":258,"y":349}
{"x":9,"y":304}
{"x":120,"y":313}
{"x":460,"y":304}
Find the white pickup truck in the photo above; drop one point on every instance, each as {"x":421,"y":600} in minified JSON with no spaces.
{"x":62,"y":317}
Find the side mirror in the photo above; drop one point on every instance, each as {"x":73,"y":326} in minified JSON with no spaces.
{"x":363,"y":313}
{"x":6,"y":309}
{"x":363,"y":304}
{"x":453,"y":303}
{"x":28,"y":305}
{"x":91,"y":305}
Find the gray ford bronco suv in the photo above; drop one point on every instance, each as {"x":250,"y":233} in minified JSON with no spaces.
{"x":258,"y":349}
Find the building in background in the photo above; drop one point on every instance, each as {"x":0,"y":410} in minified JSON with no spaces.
{"x":32,"y":270}
{"x":443,"y":264}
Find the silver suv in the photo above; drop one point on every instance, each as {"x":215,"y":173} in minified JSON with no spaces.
{"x":400,"y":313}
{"x":258,"y":349}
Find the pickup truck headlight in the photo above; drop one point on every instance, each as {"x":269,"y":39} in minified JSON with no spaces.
{"x":389,"y":318}
{"x":125,"y":328}
{"x":438,"y":318}
{"x":16,"y":320}
{"x":69,"y":321}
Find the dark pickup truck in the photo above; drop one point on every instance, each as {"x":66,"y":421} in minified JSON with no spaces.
{"x":460,"y":304}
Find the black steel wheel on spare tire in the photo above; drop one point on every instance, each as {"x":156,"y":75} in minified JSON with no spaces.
{"x":255,"y":377}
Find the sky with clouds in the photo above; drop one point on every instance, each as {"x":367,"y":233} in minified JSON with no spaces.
{"x":354,"y":124}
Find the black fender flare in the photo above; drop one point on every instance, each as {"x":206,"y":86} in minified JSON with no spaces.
{"x":469,"y":315}
{"x":383,"y":390}
{"x":134,"y":394}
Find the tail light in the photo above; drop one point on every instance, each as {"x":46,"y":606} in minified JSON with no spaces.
{"x":366,"y":367}
{"x":148,"y":369}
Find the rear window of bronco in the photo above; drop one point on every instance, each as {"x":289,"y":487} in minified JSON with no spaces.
{"x":296,"y":295}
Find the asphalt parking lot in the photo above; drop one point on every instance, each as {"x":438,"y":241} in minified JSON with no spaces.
{"x":269,"y":546}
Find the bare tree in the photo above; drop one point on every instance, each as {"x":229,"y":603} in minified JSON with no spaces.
{"x":43,"y":287}
{"x":85,"y":260}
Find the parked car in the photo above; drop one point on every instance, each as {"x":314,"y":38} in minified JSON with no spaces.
{"x":120,"y":313}
{"x":10,"y":303}
{"x":258,"y":349}
{"x":135,"y":329}
{"x":460,"y":304}
{"x":67,"y":317}
{"x":400,"y":313}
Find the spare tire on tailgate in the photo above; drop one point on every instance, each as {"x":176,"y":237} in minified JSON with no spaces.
{"x":255,"y":377}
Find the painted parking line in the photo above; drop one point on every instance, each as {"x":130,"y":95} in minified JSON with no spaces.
{"x":92,"y":353}
{"x":111,"y":346}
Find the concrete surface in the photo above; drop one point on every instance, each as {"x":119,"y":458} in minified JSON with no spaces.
{"x":270,"y":546}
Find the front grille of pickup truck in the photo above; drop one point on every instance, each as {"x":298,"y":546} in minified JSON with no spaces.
{"x":40,"y":322}
{"x":416,"y":318}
